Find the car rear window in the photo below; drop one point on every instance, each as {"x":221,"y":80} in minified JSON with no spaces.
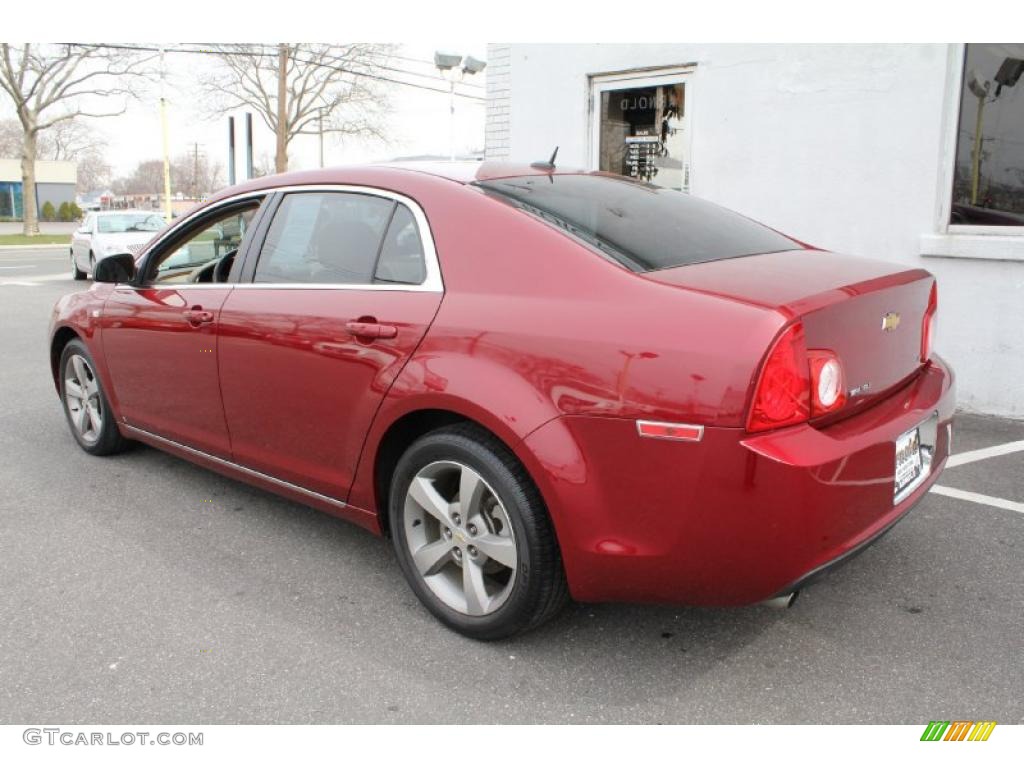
{"x":640,"y":226}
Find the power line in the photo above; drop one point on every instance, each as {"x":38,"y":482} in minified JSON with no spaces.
{"x":261,"y":54}
{"x":268,"y":51}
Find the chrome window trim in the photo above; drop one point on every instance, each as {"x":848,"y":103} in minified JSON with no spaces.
{"x":233,"y":465}
{"x":434,"y":282}
{"x":170,"y":285}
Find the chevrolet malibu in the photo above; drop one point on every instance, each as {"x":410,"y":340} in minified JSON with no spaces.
{"x":538,"y":383}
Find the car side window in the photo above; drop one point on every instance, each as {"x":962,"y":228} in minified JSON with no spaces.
{"x":324,"y":237}
{"x":198,"y":257}
{"x":88,"y":224}
{"x":401,"y":257}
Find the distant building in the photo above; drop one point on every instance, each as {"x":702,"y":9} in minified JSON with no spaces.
{"x":97,"y":200}
{"x":145,"y":201}
{"x":55,"y":183}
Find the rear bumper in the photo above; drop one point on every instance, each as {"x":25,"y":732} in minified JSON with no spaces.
{"x":732,"y":519}
{"x":826,"y":568}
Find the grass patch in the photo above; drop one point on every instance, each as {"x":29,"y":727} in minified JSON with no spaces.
{"x":37,"y":240}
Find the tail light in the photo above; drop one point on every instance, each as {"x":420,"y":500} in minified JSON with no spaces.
{"x":796,"y":384}
{"x":828,"y":390}
{"x":928,"y":324}
{"x":782,"y":395}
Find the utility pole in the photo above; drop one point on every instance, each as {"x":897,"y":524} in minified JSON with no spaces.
{"x":231,"y":152}
{"x":167,"y":156}
{"x":281,"y":161}
{"x":976,"y":159}
{"x":320,"y":120}
{"x":454,"y":68}
{"x":195,"y":171}
{"x":248,"y":147}
{"x":451,"y":119}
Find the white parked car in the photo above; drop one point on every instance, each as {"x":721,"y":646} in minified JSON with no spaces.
{"x":104,"y":233}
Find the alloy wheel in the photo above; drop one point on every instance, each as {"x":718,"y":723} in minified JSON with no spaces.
{"x":460,"y":538}
{"x":82,"y":395}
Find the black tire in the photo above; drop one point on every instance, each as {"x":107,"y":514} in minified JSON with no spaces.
{"x":76,"y":273}
{"x":109,"y":439}
{"x":539,"y":590}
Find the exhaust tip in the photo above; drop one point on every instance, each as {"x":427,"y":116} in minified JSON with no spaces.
{"x":782,"y":601}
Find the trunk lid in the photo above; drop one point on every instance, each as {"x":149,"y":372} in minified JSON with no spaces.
{"x":868,"y":312}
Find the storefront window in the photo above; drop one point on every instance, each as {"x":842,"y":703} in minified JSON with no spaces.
{"x":988,"y":181}
{"x":10,"y":200}
{"x":641,"y":134}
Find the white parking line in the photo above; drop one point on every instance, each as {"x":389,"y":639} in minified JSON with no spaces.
{"x":981,"y":454}
{"x":984,"y":453}
{"x":978,"y":498}
{"x":21,"y":266}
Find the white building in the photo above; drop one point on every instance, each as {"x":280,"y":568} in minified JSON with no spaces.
{"x":863,"y":149}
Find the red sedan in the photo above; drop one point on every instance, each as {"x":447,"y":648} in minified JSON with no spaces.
{"x":538,"y":383}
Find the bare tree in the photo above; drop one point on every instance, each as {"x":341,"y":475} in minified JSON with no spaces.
{"x":263,"y":165}
{"x":146,"y":179}
{"x":68,"y":140}
{"x":93,"y":171}
{"x":10,"y":138}
{"x":295,"y":87}
{"x":190,"y":175}
{"x":195,"y":175}
{"x":72,"y":140}
{"x":49,"y":85}
{"x":78,"y":142}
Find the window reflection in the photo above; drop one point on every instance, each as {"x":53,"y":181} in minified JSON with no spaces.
{"x":988,"y":181}
{"x":642,"y":134}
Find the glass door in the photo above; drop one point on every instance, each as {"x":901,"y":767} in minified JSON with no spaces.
{"x":641,"y":127}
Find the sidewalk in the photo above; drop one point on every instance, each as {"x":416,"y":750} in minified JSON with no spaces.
{"x":45,"y":227}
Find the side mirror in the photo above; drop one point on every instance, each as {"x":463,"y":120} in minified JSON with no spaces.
{"x":118,"y":268}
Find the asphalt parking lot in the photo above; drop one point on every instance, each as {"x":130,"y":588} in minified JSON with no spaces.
{"x":143,"y":589}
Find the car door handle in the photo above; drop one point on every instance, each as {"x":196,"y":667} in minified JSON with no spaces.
{"x":371,"y":330}
{"x":198,"y":316}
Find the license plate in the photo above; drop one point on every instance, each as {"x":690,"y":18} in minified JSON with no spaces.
{"x":909,"y":466}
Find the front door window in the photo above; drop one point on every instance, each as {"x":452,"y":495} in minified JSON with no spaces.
{"x":192,"y":260}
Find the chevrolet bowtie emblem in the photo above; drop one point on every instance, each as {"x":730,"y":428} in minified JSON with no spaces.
{"x":890,"y":320}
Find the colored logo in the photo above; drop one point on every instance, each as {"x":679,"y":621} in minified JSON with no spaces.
{"x":958,"y":730}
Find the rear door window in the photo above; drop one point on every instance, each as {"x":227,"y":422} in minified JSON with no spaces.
{"x":401,"y":257}
{"x":640,"y":226}
{"x":324,"y":237}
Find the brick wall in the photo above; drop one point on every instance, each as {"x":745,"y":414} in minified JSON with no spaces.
{"x":499,"y":101}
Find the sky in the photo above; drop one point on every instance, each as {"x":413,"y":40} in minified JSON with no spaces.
{"x":416,"y":124}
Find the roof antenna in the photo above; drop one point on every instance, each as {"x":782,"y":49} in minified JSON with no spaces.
{"x":549,"y":165}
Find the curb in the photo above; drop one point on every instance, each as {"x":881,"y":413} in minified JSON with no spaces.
{"x":40,"y":247}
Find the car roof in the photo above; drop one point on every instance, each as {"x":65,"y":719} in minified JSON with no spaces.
{"x":388,"y":176}
{"x":118,"y":212}
{"x":469,"y":171}
{"x":463,"y":172}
